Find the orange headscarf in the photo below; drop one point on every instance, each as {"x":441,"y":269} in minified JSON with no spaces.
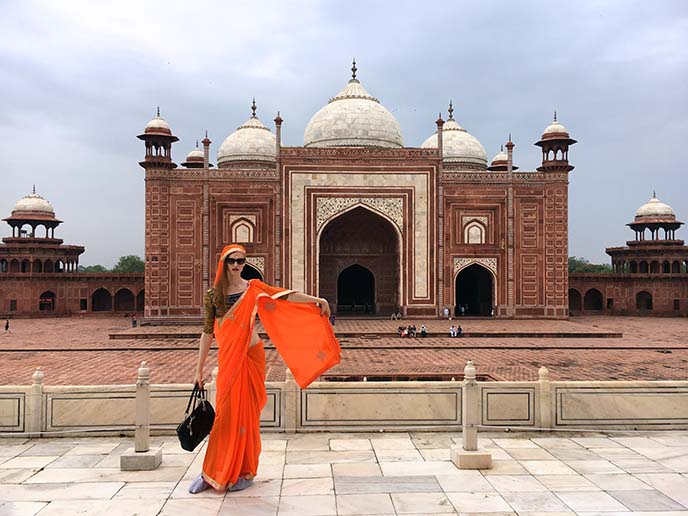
{"x":226,"y":251}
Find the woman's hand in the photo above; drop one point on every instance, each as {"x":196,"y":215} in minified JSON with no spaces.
{"x":198,"y":379}
{"x":324,"y":307}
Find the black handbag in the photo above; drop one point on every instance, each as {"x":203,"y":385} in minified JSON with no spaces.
{"x":197,"y":424}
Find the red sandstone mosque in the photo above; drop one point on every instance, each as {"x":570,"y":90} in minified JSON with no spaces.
{"x":356,"y":216}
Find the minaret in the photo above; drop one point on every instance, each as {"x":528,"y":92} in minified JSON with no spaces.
{"x":555,"y":142}
{"x":440,"y":213}
{"x":206,"y":151}
{"x":159,"y":139}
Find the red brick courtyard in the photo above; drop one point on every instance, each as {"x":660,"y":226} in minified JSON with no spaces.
{"x":105,"y":350}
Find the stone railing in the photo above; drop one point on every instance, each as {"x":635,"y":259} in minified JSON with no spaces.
{"x":40,"y":409}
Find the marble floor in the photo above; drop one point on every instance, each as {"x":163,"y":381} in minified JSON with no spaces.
{"x":551,"y":474}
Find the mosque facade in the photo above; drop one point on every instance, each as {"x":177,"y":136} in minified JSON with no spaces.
{"x":39,"y":274}
{"x":356,"y":216}
{"x":649,"y":274}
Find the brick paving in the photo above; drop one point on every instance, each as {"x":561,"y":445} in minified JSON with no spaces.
{"x":328,"y":474}
{"x":78,"y":351}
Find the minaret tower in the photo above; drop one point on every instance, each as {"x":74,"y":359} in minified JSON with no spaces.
{"x":555,"y":142}
{"x":159,"y":139}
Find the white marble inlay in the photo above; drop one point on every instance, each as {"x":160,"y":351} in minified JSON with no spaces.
{"x":420,"y":223}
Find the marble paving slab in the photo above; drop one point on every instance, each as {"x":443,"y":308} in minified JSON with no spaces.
{"x":386,"y":484}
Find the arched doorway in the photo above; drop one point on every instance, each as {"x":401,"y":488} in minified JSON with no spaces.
{"x":643,"y":301}
{"x":251,"y":272}
{"x":356,"y":290}
{"x":575,"y":301}
{"x":140,"y":300}
{"x":593,"y":300}
{"x":474,"y":288}
{"x":371,"y":242}
{"x":101,"y":301}
{"x":124,"y":300}
{"x":46,"y":302}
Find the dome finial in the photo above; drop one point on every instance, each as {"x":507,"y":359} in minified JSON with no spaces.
{"x":451,"y":110}
{"x":509,"y":136}
{"x":158,"y":112}
{"x":353,"y":70}
{"x":197,"y":144}
{"x":555,"y":115}
{"x":253,"y":108}
{"x":654,"y":194}
{"x":34,"y":189}
{"x":501,"y":148}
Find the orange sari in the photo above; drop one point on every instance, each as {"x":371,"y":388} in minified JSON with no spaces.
{"x":305,"y":340}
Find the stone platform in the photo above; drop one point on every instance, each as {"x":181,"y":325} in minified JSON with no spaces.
{"x":79,"y":351}
{"x":554,"y":474}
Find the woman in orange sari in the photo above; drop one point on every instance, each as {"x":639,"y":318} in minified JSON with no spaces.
{"x":298,"y":326}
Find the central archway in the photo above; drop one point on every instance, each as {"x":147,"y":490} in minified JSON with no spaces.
{"x":356,"y":289}
{"x":474,"y":288}
{"x":363,"y":246}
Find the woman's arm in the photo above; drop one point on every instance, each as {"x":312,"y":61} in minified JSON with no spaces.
{"x":299,"y":297}
{"x":203,"y":348}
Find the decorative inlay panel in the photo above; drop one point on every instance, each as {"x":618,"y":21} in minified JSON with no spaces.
{"x":489,"y":263}
{"x":257,"y":262}
{"x":233,"y":218}
{"x":466,"y":219}
{"x":327,"y":207}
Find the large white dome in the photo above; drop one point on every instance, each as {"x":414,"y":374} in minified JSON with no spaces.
{"x":458,"y":145}
{"x":252,"y":141}
{"x":655,"y":208}
{"x":353,"y":118}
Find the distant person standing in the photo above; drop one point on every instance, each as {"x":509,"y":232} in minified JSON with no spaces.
{"x":134,"y":323}
{"x":7,"y":325}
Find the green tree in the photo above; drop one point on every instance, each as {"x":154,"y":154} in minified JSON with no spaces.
{"x":582,"y":265}
{"x":130,"y":263}
{"x":92,"y":268}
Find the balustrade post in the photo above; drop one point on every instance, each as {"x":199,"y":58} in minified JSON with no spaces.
{"x":142,"y":457}
{"x":34,"y":405}
{"x":468,"y":456}
{"x":291,"y":400}
{"x":545,"y":398}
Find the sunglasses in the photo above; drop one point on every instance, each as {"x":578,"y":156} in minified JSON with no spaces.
{"x":232,"y":261}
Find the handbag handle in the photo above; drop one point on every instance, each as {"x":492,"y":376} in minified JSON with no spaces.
{"x":196,"y":392}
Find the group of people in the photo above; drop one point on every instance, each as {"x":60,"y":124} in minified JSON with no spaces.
{"x":412,"y":331}
{"x":455,"y":331}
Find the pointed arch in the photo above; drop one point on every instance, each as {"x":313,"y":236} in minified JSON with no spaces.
{"x":475,"y":288}
{"x":361,"y":234}
{"x":593,"y":300}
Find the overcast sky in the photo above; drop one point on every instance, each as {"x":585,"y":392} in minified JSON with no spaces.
{"x":80,"y":79}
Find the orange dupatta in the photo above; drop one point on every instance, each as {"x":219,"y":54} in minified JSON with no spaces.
{"x":305,"y":340}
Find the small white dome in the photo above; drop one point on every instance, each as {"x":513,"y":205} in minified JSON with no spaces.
{"x":555,"y":127}
{"x":158,"y":125}
{"x":353,"y":118}
{"x":34,"y":203}
{"x":252,"y":141}
{"x":458,"y":145}
{"x":500,"y":156}
{"x":655,"y":208}
{"x":195,"y":155}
